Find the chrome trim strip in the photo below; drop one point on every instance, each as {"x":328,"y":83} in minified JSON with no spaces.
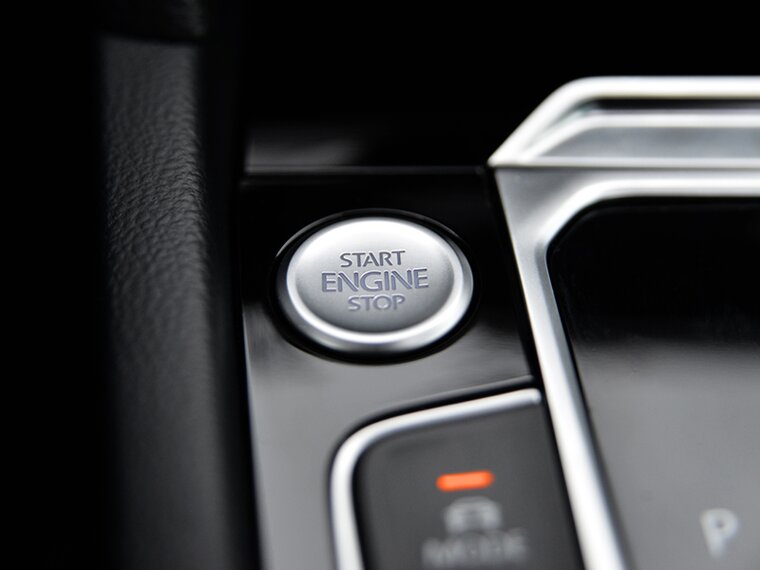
{"x":345,"y":531}
{"x":566,"y":103}
{"x":538,"y":207}
{"x":542,"y":152}
{"x":534,"y":219}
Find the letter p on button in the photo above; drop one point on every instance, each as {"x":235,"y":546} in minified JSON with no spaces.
{"x":719,"y":526}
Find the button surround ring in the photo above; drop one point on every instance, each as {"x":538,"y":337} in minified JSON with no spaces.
{"x":428,"y":258}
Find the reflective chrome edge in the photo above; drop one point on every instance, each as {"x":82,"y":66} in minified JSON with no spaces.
{"x":519,"y":149}
{"x":345,"y":532}
{"x":399,"y":341}
{"x":534,"y":219}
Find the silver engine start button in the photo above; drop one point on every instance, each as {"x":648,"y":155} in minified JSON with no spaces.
{"x":375,"y":285}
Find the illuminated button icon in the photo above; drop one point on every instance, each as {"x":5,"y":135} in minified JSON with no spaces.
{"x":375,"y":285}
{"x":468,"y":481}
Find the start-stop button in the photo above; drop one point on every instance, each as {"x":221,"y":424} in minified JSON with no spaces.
{"x":375,"y":285}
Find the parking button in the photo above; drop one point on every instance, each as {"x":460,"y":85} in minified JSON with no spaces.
{"x":378,"y":284}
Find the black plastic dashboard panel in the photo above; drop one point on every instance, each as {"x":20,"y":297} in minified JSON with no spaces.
{"x":304,"y":401}
{"x":661,"y":303}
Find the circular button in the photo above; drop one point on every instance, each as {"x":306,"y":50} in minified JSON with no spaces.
{"x":375,"y":285}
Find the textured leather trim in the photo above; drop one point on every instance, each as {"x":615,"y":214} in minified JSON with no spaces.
{"x":180,"y":482}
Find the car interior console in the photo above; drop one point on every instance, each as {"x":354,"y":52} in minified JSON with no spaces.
{"x":433,"y":388}
{"x":550,"y":360}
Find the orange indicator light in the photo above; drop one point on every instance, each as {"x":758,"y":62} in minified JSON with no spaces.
{"x":450,"y":482}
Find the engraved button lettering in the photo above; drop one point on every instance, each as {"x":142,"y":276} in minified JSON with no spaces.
{"x":375,"y":285}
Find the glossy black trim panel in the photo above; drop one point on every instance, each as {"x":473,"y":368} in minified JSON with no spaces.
{"x":306,"y":400}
